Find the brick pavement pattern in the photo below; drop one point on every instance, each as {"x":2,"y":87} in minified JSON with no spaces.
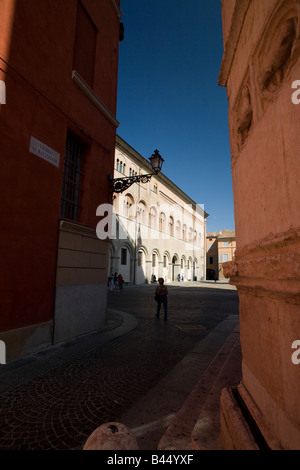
{"x":60,"y":408}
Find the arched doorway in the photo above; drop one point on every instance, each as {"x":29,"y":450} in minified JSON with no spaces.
{"x":125,"y":263}
{"x":141,"y":267}
{"x":154,"y":266}
{"x":166,"y":262}
{"x":174,"y":259}
{"x":182,"y":268}
{"x":189,"y":269}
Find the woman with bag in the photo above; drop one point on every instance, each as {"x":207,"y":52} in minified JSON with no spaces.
{"x":161,"y":293}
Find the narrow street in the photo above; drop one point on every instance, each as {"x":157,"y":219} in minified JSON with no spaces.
{"x":59,"y":405}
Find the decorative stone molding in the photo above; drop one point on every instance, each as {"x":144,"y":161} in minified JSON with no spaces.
{"x":244,"y":113}
{"x":117,"y":9}
{"x":94,"y":98}
{"x":278,"y":50}
{"x":278,"y":56}
{"x":269,"y":267}
{"x":240,"y":11}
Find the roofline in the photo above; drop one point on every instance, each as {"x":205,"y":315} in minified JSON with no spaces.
{"x":123,"y":145}
{"x":220,"y":235}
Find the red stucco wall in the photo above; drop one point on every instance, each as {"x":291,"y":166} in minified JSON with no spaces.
{"x":36,"y":58}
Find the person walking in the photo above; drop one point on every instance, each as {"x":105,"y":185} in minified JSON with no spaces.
{"x":161,"y":294}
{"x":111,"y":282}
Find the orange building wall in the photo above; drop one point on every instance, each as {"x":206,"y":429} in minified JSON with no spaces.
{"x":36,"y":62}
{"x":265,"y":172}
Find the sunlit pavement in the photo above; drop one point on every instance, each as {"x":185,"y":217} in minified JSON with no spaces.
{"x":137,"y":370}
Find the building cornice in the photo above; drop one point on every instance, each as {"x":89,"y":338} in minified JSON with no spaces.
{"x":81,"y":83}
{"x":117,"y":9}
{"x":237,"y":21}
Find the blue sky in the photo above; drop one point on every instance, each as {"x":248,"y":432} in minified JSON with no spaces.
{"x":169,"y":98}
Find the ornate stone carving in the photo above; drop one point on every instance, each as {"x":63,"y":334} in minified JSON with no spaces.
{"x":244,"y":114}
{"x":276,"y":60}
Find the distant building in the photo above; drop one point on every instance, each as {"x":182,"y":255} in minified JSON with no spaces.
{"x":59,"y":63}
{"x":160,"y":229}
{"x":220,"y":248}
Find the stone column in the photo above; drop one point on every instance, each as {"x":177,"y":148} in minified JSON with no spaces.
{"x":261,"y":61}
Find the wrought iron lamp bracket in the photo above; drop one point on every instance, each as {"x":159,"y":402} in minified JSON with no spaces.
{"x":121,"y":184}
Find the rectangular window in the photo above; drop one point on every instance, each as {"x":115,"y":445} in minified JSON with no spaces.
{"x":123,"y":256}
{"x":225,"y":244}
{"x":220,"y":258}
{"x":85,"y":45}
{"x":225,"y":258}
{"x":211,"y":260}
{"x":72,"y":178}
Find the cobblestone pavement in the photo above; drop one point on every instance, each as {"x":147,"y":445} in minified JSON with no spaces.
{"x":61,"y":407}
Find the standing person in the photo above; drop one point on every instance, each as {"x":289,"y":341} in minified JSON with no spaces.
{"x":121,"y":280}
{"x":162,"y":292}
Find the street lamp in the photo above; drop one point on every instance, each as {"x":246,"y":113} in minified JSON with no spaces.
{"x":121,"y":184}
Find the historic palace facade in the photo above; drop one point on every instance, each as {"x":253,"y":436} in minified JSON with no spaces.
{"x":160,"y":230}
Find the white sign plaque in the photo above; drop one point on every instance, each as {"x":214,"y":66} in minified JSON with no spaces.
{"x":43,"y":151}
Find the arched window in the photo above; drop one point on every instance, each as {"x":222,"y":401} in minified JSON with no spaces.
{"x":118,"y":164}
{"x":178,"y":229}
{"x":141,"y":212}
{"x":171,"y":226}
{"x":141,"y":256}
{"x":128,"y":206}
{"x":162,"y":222}
{"x":153,"y":217}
